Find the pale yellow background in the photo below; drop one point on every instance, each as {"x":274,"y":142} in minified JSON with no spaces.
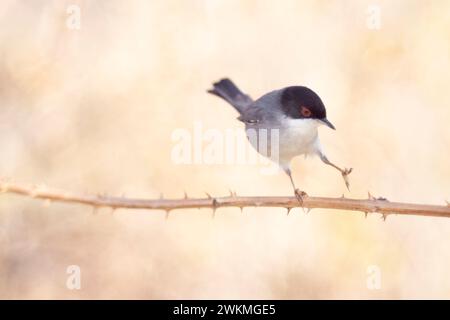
{"x":93,"y":110}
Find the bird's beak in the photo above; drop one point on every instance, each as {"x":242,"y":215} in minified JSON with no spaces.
{"x":327,"y":123}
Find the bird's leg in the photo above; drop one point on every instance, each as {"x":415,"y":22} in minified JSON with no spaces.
{"x":298,"y":193}
{"x":345,"y":172}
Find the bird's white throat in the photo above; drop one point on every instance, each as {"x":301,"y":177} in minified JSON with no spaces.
{"x":299,"y":136}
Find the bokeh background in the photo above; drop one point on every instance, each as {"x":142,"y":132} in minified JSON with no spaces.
{"x":93,"y":110}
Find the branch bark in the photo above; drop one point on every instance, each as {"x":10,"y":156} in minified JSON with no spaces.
{"x":372,"y":204}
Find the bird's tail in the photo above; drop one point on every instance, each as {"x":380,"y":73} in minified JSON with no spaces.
{"x":228,"y":91}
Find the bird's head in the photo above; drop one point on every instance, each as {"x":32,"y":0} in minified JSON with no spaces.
{"x":299,"y":102}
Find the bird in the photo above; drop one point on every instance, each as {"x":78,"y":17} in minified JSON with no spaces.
{"x":294,"y":112}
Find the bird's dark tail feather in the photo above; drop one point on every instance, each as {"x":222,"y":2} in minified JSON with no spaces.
{"x":228,"y":91}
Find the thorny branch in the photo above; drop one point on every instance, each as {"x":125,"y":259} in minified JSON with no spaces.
{"x":369,"y":205}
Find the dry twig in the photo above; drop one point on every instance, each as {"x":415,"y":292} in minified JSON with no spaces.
{"x":372,"y":204}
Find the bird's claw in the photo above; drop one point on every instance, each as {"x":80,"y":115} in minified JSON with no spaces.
{"x":300,"y":195}
{"x":345,"y":174}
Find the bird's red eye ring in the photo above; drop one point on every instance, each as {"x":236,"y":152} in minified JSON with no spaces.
{"x":305,"y":112}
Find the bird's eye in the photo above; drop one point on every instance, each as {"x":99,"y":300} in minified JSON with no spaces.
{"x":305,"y":112}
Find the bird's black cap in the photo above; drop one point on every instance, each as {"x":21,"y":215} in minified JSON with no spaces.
{"x":300,"y":102}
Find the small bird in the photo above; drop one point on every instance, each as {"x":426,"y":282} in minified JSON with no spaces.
{"x":295,"y":112}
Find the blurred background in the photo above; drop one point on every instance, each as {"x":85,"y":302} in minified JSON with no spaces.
{"x":92,"y":109}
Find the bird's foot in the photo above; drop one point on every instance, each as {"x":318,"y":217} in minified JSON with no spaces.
{"x":300,"y":195}
{"x":345,"y":174}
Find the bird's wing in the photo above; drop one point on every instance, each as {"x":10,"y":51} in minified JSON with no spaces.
{"x":257,"y":115}
{"x":263,"y":112}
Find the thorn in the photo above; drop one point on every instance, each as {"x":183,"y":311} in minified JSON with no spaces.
{"x":232,"y":194}
{"x":366,"y":214}
{"x":185,"y":195}
{"x":167,"y":214}
{"x":288,"y":210}
{"x":208,"y":195}
{"x":306,"y":210}
{"x":384,"y":216}
{"x":242,"y":209}
{"x":213,"y":213}
{"x":343,"y":196}
{"x":370,"y":197}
